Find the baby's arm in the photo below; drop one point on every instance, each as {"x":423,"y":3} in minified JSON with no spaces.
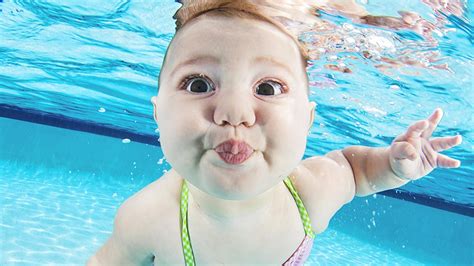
{"x":126,"y":245}
{"x":371,"y":170}
{"x":411,"y":156}
{"x":362,"y":171}
{"x":330,"y":181}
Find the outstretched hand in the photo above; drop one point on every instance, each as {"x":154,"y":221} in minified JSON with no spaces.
{"x":414,"y":155}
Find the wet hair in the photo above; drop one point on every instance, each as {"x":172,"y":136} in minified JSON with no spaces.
{"x":230,"y":8}
{"x":192,"y":9}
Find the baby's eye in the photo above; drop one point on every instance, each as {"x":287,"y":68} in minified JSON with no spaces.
{"x":197,"y":84}
{"x":270,"y":87}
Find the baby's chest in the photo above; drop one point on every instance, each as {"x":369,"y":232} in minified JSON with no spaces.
{"x":266,"y":243}
{"x":166,"y":246}
{"x":247,"y":248}
{"x":238,"y":250}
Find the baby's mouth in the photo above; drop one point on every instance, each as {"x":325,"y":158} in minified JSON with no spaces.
{"x":234,"y":151}
{"x":234,"y":158}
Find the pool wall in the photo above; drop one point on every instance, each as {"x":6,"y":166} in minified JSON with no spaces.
{"x":418,"y":231}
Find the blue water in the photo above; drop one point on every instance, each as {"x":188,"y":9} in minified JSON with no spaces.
{"x":93,"y":67}
{"x":52,"y":219}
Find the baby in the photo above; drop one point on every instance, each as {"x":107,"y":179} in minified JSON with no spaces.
{"x":234,"y":113}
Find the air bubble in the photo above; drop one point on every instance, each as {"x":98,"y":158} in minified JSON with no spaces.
{"x":380,"y":42}
{"x":101,"y":110}
{"x":350,"y":40}
{"x":347,"y":26}
{"x":126,"y":141}
{"x":394,"y":87}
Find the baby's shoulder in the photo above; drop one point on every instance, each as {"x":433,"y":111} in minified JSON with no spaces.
{"x":158,"y":196}
{"x":323,"y":185}
{"x":151,"y":213}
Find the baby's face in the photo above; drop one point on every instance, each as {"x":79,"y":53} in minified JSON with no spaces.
{"x":233,"y":78}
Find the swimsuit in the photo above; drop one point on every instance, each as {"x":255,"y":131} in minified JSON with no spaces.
{"x":298,"y":257}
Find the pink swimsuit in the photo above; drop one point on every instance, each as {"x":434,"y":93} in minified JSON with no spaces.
{"x":301,"y":254}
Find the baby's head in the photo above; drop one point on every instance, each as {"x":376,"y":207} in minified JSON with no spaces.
{"x":231,"y":72}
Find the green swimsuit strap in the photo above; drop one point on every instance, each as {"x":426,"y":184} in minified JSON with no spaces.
{"x":303,"y":213}
{"x":185,"y":240}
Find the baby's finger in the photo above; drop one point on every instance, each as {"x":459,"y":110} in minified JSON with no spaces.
{"x":444,"y":143}
{"x":446,"y":162}
{"x":434,"y":121}
{"x":416,"y":129}
{"x":401,"y":137}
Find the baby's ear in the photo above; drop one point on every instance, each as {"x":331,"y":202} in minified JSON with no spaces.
{"x":313,"y":108}
{"x":153,"y":101}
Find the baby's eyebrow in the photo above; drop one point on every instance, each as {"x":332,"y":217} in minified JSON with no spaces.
{"x":272,"y":61}
{"x":215,"y":60}
{"x":195,"y":60}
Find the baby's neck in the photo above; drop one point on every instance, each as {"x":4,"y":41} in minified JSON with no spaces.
{"x":228,"y":212}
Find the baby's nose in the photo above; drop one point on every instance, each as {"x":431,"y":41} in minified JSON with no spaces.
{"x":235,"y":112}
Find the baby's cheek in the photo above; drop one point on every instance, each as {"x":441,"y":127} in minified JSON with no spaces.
{"x":286,"y":138}
{"x":182,"y":140}
{"x":298,"y":130}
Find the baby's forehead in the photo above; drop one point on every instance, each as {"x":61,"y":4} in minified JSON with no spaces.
{"x":232,"y":35}
{"x":227,"y":25}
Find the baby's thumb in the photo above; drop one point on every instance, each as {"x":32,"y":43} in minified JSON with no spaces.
{"x":403,"y":150}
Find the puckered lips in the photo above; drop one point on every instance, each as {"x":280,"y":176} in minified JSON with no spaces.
{"x":234,"y":151}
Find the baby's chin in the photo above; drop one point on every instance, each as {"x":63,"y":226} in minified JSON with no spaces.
{"x":234,"y":181}
{"x":236,"y":192}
